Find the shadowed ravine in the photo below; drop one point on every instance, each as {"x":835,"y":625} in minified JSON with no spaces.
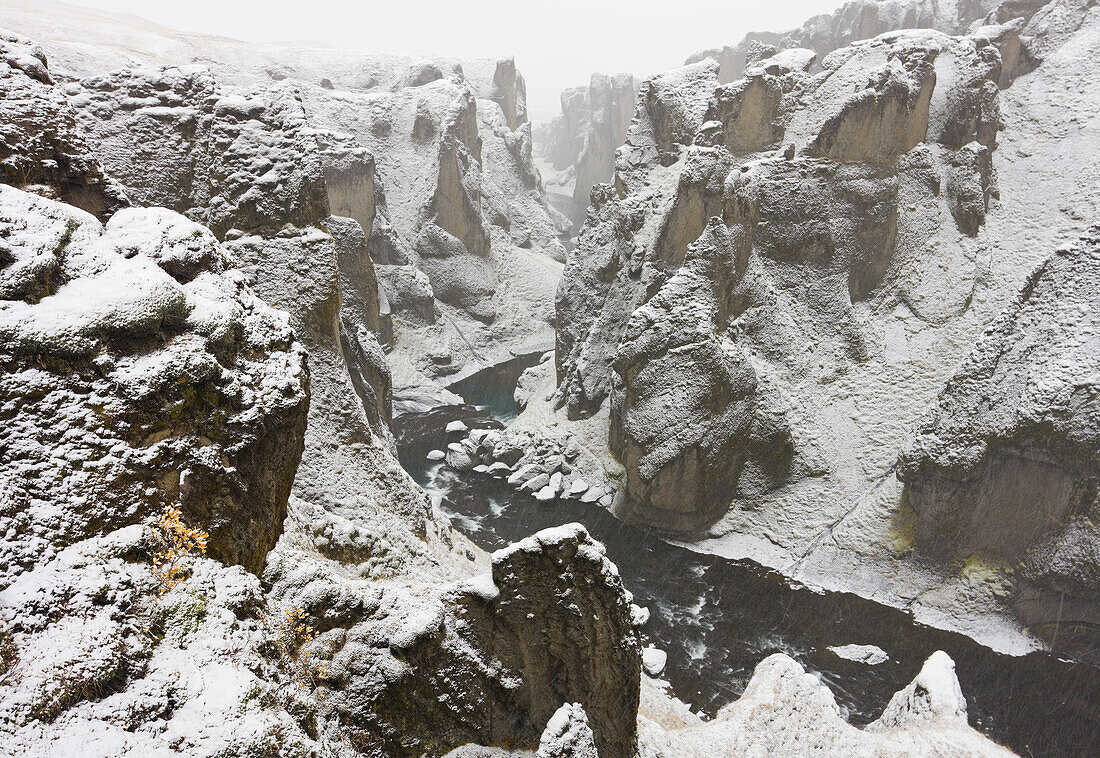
{"x":718,"y":618}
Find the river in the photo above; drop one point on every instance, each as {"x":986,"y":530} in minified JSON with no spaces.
{"x":717,"y":618}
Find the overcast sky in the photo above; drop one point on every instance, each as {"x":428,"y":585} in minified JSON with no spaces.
{"x":557,"y":43}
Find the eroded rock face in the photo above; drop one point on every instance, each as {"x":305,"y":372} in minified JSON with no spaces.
{"x":563,"y":618}
{"x":592,"y":124}
{"x":745,"y":217}
{"x":139,"y":370}
{"x":246,"y":161}
{"x":863,"y":19}
{"x":361,"y":552}
{"x":226,"y":158}
{"x":97,"y":661}
{"x":41,"y":147}
{"x":295,"y":133}
{"x":462,"y":229}
{"x":688,"y":409}
{"x":1006,"y":462}
{"x":552,"y":624}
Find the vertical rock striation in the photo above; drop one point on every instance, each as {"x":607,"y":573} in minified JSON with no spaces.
{"x":1007,"y":462}
{"x":592,"y":125}
{"x":778,"y":211}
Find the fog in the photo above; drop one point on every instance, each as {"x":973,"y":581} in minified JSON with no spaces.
{"x":556,"y":44}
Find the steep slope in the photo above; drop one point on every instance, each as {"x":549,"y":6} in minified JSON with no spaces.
{"x":864,"y":19}
{"x":446,"y":145}
{"x":141,"y":356}
{"x":581,"y":142}
{"x":1005,"y":464}
{"x":789,"y":267}
{"x":40,"y":145}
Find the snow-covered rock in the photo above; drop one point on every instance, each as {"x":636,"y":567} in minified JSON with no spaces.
{"x":158,"y":379}
{"x":41,"y":147}
{"x":858,"y":20}
{"x":789,"y":267}
{"x":934,"y":695}
{"x":423,"y":154}
{"x":592,"y":125}
{"x":568,"y":734}
{"x":654,"y":660}
{"x":872,"y":655}
{"x":132,"y":382}
{"x":786,"y":711}
{"x":1003,"y":463}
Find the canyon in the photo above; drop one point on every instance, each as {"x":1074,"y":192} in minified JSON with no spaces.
{"x":749,"y":408}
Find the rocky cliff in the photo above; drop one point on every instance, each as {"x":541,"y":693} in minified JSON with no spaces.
{"x":40,"y":145}
{"x":200,"y":265}
{"x":431,"y":157}
{"x":581,"y":142}
{"x":1005,"y":463}
{"x":143,"y":369}
{"x":788,"y":267}
{"x":864,"y":19}
{"x":786,"y":711}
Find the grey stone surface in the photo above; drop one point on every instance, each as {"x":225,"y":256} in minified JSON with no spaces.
{"x":592,"y":125}
{"x":126,"y":388}
{"x":791,"y":186}
{"x":1005,"y":463}
{"x":184,"y":384}
{"x":862,"y":19}
{"x":41,"y":146}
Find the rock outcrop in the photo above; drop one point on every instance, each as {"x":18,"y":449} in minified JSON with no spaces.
{"x":465,"y":242}
{"x":41,"y":147}
{"x":407,"y":147}
{"x":863,"y":19}
{"x":102,"y":670}
{"x":140,"y":370}
{"x":246,"y":163}
{"x":800,"y":177}
{"x":568,"y":734}
{"x":689,"y":419}
{"x":872,"y":211}
{"x":486,"y":661}
{"x":592,"y":125}
{"x":784,"y":710}
{"x":787,"y":711}
{"x":1007,"y":463}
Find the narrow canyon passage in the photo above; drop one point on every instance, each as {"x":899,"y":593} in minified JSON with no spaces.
{"x":431,"y":381}
{"x":716,"y":619}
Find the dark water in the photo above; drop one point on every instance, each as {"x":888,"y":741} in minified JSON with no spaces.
{"x":718,"y":618}
{"x":493,"y":389}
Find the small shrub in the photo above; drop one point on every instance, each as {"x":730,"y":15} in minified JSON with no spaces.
{"x":9,"y":655}
{"x":172,"y":544}
{"x":290,"y":631}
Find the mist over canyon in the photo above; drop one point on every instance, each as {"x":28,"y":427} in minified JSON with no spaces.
{"x":750,"y":408}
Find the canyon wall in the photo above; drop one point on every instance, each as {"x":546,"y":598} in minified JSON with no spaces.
{"x":1005,"y":463}
{"x":864,"y":19}
{"x":786,"y":270}
{"x":581,"y":142}
{"x":216,"y":347}
{"x":202,"y":263}
{"x":432,"y":157}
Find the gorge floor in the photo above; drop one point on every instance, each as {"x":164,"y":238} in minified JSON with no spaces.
{"x":716,"y":618}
